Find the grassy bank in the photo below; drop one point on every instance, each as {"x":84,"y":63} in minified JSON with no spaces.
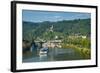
{"x":84,"y":52}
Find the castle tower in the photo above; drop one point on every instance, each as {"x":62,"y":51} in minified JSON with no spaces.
{"x":51,"y":28}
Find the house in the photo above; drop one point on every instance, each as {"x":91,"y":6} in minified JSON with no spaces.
{"x":52,"y":44}
{"x":77,"y":36}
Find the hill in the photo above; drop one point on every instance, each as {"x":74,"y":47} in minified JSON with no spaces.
{"x":32,"y":30}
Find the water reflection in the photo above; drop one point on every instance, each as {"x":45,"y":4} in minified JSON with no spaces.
{"x":54,"y":54}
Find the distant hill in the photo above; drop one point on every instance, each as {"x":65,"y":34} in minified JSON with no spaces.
{"x":61,"y":28}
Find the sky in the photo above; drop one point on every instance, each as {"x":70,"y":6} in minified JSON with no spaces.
{"x":40,"y":16}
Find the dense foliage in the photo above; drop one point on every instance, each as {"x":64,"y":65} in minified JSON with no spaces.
{"x":32,"y":30}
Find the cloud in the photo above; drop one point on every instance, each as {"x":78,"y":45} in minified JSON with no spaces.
{"x":57,"y":17}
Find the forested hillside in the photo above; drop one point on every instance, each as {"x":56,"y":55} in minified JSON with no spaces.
{"x":33,"y":30}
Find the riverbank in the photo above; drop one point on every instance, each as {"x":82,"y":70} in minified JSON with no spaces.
{"x":84,"y":52}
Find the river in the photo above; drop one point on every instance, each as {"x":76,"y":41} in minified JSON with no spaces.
{"x":54,"y":54}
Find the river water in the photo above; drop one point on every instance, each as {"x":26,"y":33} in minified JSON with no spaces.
{"x":54,"y":54}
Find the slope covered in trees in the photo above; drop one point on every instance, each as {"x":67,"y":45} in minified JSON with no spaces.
{"x":32,"y":30}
